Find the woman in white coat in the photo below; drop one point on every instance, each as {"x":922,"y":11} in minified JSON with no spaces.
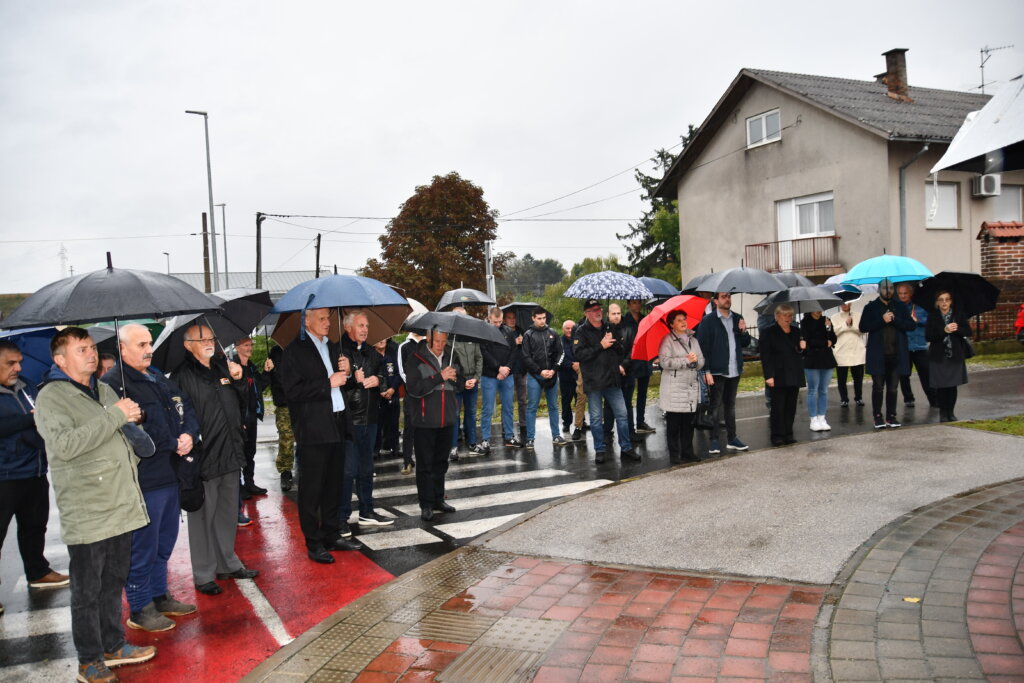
{"x":680,"y":358}
{"x":849,"y":353}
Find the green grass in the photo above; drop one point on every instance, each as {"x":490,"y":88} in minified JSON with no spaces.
{"x":998,"y":360}
{"x":1014,"y":425}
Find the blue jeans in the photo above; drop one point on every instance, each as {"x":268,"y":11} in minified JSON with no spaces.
{"x":358,"y":469}
{"x":533,"y":391}
{"x":817,"y":390}
{"x":152,"y":546}
{"x":492,"y":386}
{"x":613,"y":396}
{"x":466,"y":401}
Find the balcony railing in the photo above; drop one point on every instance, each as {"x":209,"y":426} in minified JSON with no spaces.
{"x":807,"y":254}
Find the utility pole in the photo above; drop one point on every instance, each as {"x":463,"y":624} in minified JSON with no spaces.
{"x":317,"y":256}
{"x":209,"y":189}
{"x":259,"y":249}
{"x":986,"y":53}
{"x":489,"y":269}
{"x":206,"y":257}
{"x":224,"y":237}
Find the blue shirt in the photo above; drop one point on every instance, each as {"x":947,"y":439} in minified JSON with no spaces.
{"x":336,"y":399}
{"x":727,"y":324}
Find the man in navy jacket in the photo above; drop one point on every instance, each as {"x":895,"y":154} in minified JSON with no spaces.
{"x":24,"y":489}
{"x":722,"y":335}
{"x":171,"y":423}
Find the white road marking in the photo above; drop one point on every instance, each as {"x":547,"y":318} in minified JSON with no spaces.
{"x":264,"y":611}
{"x":45,"y":671}
{"x":35,"y":622}
{"x":474,"y":527}
{"x":386,"y":540}
{"x":508,"y":497}
{"x":476,"y":481}
{"x":453,"y":469}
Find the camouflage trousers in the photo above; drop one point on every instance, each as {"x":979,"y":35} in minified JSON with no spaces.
{"x":285,"y":439}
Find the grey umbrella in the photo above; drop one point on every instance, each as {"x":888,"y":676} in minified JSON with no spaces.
{"x":463,"y":297}
{"x":741,"y":279}
{"x":802,"y":299}
{"x":791,"y":279}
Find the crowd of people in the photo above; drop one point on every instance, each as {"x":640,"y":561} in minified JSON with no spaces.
{"x":128,"y":446}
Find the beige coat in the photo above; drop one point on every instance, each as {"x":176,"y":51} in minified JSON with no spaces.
{"x":680,"y":391}
{"x":850,"y":340}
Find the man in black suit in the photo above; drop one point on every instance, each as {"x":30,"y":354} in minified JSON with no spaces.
{"x":313,"y":372}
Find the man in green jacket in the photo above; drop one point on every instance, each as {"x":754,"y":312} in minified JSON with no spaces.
{"x":95,"y":479}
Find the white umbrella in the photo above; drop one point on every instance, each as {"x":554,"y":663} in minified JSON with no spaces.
{"x":991,"y":140}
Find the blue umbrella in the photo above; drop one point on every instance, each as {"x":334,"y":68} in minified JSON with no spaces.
{"x":659,"y":288}
{"x":886,"y":267}
{"x":608,"y":284}
{"x":34,"y":343}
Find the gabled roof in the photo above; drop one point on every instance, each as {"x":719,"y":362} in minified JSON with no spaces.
{"x":933,"y":116}
{"x":1001,"y":229}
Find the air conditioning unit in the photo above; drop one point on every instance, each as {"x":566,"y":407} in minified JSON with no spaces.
{"x":987,"y":185}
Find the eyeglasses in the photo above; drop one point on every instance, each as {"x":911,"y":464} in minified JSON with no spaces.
{"x":204,"y":340}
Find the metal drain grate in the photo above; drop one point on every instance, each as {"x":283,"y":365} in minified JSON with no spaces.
{"x":491,"y":665}
{"x":452,"y":627}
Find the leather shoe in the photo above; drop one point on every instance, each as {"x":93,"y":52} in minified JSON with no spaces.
{"x":256,"y":490}
{"x":242,"y":573}
{"x":345,"y":544}
{"x":443,"y":507}
{"x":599,"y":457}
{"x":209,"y":588}
{"x":631,"y":455}
{"x":426,"y":514}
{"x":320,"y":555}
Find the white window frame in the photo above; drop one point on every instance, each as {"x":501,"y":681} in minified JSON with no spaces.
{"x":1009,"y":194}
{"x":941,"y":202}
{"x":762,"y":120}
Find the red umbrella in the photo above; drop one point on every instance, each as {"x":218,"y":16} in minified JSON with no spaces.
{"x":653,"y":328}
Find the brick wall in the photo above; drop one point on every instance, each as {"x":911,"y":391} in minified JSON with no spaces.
{"x":1002,"y":263}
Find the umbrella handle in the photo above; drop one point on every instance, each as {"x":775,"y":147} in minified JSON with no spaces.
{"x":120,"y":360}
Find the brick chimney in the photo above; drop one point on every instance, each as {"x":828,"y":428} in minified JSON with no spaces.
{"x":895,"y":75}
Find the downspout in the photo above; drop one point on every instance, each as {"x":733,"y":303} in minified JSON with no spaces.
{"x":903,"y":198}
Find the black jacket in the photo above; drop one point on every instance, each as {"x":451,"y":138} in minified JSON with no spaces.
{"x":542,"y":351}
{"x":169,"y":414}
{"x":433,"y":398}
{"x":276,"y":390}
{"x":565,"y":372}
{"x":307,"y":388}
{"x":635,"y":367}
{"x":818,"y":334}
{"x":781,"y":358}
{"x":497,"y":354}
{"x":217,"y":400}
{"x":714,"y":342}
{"x":935,"y":333}
{"x":362,"y":405}
{"x":255,"y":383}
{"x":872,"y":322}
{"x":22,"y":452}
{"x":600,"y":366}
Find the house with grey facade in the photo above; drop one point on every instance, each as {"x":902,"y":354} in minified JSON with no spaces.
{"x":813,"y":174}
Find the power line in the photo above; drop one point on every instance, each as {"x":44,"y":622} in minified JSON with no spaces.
{"x":580,"y":206}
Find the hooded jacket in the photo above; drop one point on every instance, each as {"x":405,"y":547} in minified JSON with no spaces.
{"x":217,"y":400}
{"x":169,"y":414}
{"x":92,"y":465}
{"x":22,"y":452}
{"x":433,"y":398}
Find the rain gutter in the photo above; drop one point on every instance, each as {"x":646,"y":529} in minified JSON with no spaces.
{"x":903,"y":197}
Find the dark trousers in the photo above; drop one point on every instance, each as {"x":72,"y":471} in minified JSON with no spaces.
{"x":387,"y":424}
{"x":249,"y":468}
{"x":782,"y":413}
{"x":358,"y":471}
{"x":642,"y":383}
{"x":27,"y":501}
{"x":946,"y":398}
{"x":152,"y":546}
{"x":886,"y":383}
{"x":98,"y":573}
{"x":409,"y":433}
{"x":321,"y":469}
{"x":722,"y":396}
{"x":919,"y":360}
{"x":567,"y":390}
{"x":519,"y":382}
{"x":857,"y":372}
{"x":628,"y":385}
{"x":679,"y":427}
{"x":432,"y":446}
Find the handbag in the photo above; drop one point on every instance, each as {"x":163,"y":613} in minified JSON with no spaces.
{"x":968,"y":348}
{"x":703,"y":417}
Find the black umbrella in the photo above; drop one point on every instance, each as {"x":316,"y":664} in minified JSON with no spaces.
{"x":524,"y":313}
{"x":169,"y":348}
{"x":659,"y":288}
{"x":466,"y":327}
{"x":739,"y":279}
{"x":972,"y":294}
{"x":791,"y":279}
{"x":246,"y":308}
{"x":463,"y":297}
{"x":802,"y":299}
{"x":108,"y":294}
{"x":693,"y":285}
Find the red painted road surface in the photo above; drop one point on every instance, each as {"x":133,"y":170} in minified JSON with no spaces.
{"x":226,"y":639}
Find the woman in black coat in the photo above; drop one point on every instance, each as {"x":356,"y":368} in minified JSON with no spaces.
{"x":783,"y":368}
{"x":947,"y":331}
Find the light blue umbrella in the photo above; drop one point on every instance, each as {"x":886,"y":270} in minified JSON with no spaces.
{"x":608,"y":284}
{"x":886,"y":267}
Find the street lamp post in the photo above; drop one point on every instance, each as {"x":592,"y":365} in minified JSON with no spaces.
{"x":209,"y":188}
{"x":224,"y":236}
{"x":168,"y":255}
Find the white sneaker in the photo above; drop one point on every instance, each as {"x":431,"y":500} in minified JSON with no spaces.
{"x":822,"y":425}
{"x":814,"y":424}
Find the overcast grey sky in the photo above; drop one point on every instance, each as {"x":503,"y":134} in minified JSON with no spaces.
{"x":339,"y":109}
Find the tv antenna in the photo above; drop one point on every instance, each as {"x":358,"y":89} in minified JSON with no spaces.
{"x":986,"y":53}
